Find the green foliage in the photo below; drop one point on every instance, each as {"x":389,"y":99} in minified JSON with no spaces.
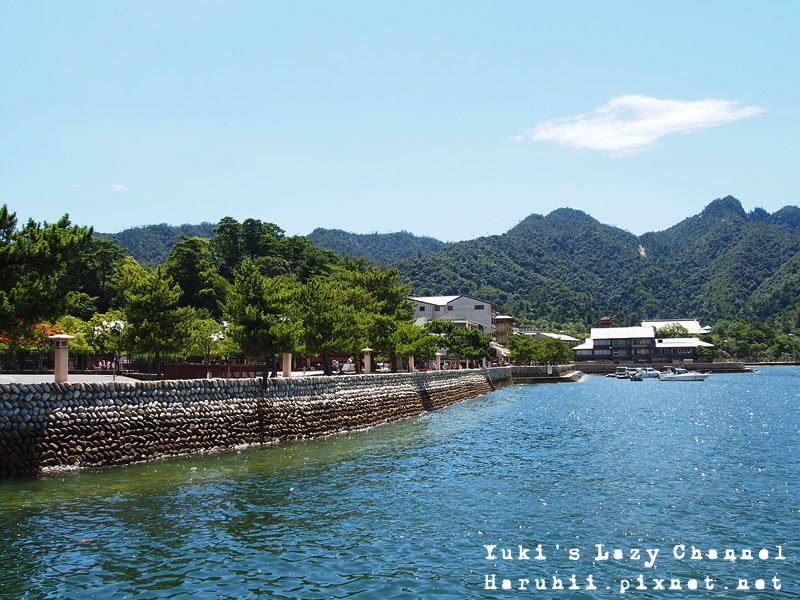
{"x":192,"y":266}
{"x":325,"y":319}
{"x":34,"y":271}
{"x":104,"y":332}
{"x":526,"y":350}
{"x":155,"y":322}
{"x":567,"y":267}
{"x":152,"y":244}
{"x":673,"y":330}
{"x":378,"y":248}
{"x":206,"y":338}
{"x":467,"y":344}
{"x":261,"y":311}
{"x":754,"y":341}
{"x":79,"y":328}
{"x":410,"y":340}
{"x":560,"y":272}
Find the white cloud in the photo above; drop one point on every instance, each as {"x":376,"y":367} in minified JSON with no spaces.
{"x":118,"y":187}
{"x":627,"y":124}
{"x":78,"y":186}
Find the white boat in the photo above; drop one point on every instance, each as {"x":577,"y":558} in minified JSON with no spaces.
{"x":649,"y":373}
{"x":622,"y":373}
{"x":681,"y":374}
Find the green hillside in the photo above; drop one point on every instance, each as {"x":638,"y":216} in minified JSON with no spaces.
{"x":566,"y":266}
{"x":722,"y":263}
{"x":152,"y":243}
{"x":379,"y":248}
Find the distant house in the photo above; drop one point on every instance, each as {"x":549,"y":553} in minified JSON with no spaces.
{"x":640,"y":344}
{"x":464,"y":311}
{"x":504,"y":328}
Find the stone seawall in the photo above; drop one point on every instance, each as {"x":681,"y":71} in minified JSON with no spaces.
{"x":49,"y":426}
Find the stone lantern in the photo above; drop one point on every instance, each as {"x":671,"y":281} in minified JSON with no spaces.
{"x":61,"y":341}
{"x":287,"y":364}
{"x":367,"y":360}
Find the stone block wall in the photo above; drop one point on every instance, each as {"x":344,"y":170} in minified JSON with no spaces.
{"x":48,"y":426}
{"x":533,"y":371}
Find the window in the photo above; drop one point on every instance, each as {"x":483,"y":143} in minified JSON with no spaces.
{"x":421,"y":309}
{"x":479,"y":307}
{"x":449,"y":308}
{"x":436,"y":308}
{"x":600,"y":352}
{"x":602,"y":342}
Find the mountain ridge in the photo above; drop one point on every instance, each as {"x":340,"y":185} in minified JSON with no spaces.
{"x":722,"y":262}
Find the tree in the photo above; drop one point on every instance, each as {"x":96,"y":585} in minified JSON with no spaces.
{"x":261,"y":310}
{"x":91,"y":272}
{"x":205,"y":337}
{"x":673,"y":330}
{"x":410,"y":340}
{"x":77,"y":327}
{"x":34,"y":276}
{"x":104,"y":332}
{"x":556,"y":352}
{"x":156,"y":323}
{"x":467,"y":344}
{"x":325,"y":318}
{"x":385,"y":297}
{"x":191,"y":265}
{"x":526,"y":349}
{"x":227,"y":246}
{"x":523,"y":349}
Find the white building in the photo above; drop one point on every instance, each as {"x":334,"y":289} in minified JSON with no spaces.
{"x":463,"y":310}
{"x":641,"y":344}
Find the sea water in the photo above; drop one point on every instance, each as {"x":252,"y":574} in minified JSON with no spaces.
{"x":603,"y":488}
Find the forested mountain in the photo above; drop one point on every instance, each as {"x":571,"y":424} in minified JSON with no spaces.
{"x":722,"y":263}
{"x":566,"y":266}
{"x":379,"y":248}
{"x":152,"y":243}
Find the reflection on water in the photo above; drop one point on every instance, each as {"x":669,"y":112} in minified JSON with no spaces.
{"x":405,"y":509}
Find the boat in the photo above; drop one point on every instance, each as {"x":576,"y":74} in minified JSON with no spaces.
{"x":681,"y":374}
{"x":643,"y":373}
{"x":622,"y":373}
{"x":649,"y":373}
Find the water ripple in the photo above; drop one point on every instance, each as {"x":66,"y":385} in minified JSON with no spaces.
{"x":404,"y":510}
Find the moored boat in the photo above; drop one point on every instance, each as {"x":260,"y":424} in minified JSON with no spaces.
{"x":681,"y":374}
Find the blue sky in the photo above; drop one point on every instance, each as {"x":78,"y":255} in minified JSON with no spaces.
{"x":448,"y":119}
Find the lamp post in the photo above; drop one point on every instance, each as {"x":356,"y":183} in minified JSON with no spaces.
{"x":116,"y":331}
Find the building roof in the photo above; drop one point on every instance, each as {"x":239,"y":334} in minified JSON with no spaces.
{"x":445,"y":300}
{"x":501,"y":350}
{"x":692,"y":325}
{"x":622,"y":333}
{"x":559,"y":336}
{"x":682,"y":343}
{"x":588,"y":344}
{"x":505,"y":317}
{"x":435,"y":300}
